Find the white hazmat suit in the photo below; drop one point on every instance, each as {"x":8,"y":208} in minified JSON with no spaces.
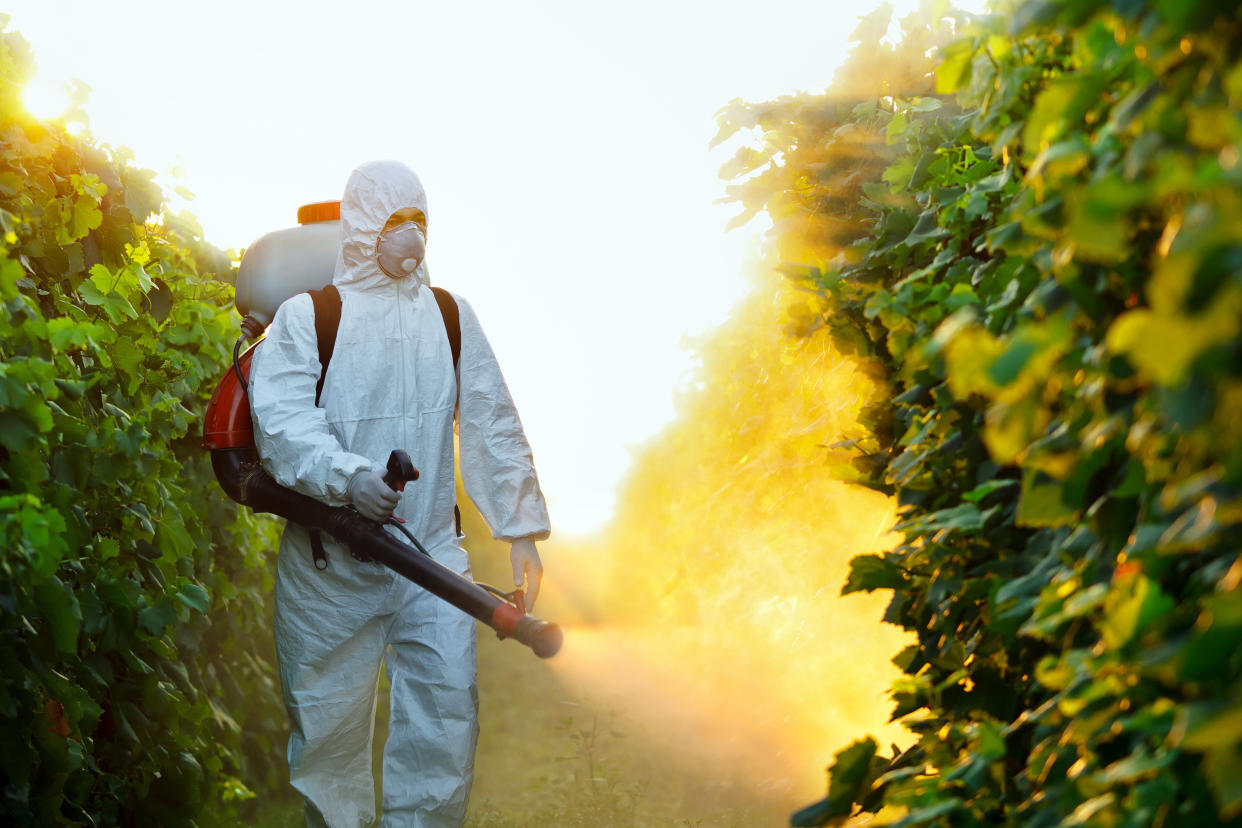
{"x":390,"y":385}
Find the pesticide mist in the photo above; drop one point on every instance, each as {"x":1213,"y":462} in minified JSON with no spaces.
{"x":711,"y":668}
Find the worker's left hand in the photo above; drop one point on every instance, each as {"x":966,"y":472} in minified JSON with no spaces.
{"x":526,"y":568}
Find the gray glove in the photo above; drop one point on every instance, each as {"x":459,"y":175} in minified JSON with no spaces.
{"x":371,"y":495}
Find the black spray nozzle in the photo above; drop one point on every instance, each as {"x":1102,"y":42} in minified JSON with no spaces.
{"x":400,"y":471}
{"x":543,"y":637}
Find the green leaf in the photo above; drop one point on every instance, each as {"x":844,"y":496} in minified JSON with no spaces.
{"x":879,"y":302}
{"x":1042,"y":502}
{"x":73,"y":389}
{"x":91,"y":294}
{"x":953,"y":73}
{"x":1031,"y":583}
{"x":128,"y":358}
{"x":1164,"y":346}
{"x":39,"y":414}
{"x":10,"y":272}
{"x":1099,"y":222}
{"x":1083,"y":813}
{"x":156,"y":618}
{"x":1223,"y":768}
{"x":1034,"y":13}
{"x":67,"y":334}
{"x":928,"y":104}
{"x":991,"y":742}
{"x":1004,"y":236}
{"x":980,"y":492}
{"x":123,"y":727}
{"x":896,"y":126}
{"x":107,"y":548}
{"x":848,"y":775}
{"x":904,"y":659}
{"x":1060,"y":107}
{"x":142,"y":197}
{"x":1007,"y":367}
{"x":1080,"y":602}
{"x":872,"y":572}
{"x":899,"y":173}
{"x":195,"y":597}
{"x":1134,"y":603}
{"x":146,"y":549}
{"x":963,"y":518}
{"x":60,"y":610}
{"x":17,"y":433}
{"x":961,"y":296}
{"x":86,"y":215}
{"x":1134,"y":105}
{"x":1137,"y":765}
{"x":102,"y":279}
{"x":929,"y":813}
{"x":1214,"y":725}
{"x":927,"y":228}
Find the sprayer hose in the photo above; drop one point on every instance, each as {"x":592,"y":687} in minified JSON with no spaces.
{"x":237,"y":363}
{"x":409,"y":535}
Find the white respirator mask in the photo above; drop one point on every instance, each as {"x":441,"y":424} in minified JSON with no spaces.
{"x":400,"y":250}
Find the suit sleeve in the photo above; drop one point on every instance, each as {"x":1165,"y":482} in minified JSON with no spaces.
{"x":496,"y":463}
{"x":295,"y":445}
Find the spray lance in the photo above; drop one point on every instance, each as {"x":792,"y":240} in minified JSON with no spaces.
{"x":276,"y":267}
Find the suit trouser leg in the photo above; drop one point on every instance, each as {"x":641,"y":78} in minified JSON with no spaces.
{"x":330,"y":641}
{"x":429,"y":757}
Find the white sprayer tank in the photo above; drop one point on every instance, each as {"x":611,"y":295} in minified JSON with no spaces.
{"x":287,"y":262}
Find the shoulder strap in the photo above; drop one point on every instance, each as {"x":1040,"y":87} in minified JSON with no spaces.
{"x":452,"y":322}
{"x":327,"y":301}
{"x":452,"y":326}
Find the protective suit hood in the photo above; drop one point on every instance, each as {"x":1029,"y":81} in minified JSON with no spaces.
{"x":374,"y":192}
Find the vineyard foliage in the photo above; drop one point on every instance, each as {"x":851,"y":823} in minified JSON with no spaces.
{"x":135,"y":677}
{"x":1032,"y":221}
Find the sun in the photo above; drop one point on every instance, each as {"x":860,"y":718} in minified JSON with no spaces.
{"x":45,"y":99}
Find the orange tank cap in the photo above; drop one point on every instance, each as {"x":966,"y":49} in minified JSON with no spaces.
{"x":319,"y":211}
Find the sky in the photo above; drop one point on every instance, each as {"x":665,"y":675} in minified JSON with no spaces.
{"x":563,"y":147}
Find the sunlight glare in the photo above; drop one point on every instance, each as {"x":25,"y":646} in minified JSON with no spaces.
{"x":45,"y":99}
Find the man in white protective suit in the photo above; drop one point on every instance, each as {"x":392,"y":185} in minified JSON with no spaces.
{"x":390,"y":385}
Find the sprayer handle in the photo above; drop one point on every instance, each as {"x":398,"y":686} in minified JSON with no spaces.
{"x":400,"y":471}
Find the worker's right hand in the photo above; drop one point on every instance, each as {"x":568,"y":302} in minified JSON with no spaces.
{"x":371,"y":496}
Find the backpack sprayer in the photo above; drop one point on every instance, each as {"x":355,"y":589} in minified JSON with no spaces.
{"x":276,"y":267}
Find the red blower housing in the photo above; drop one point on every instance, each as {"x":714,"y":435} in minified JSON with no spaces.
{"x":228,"y":424}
